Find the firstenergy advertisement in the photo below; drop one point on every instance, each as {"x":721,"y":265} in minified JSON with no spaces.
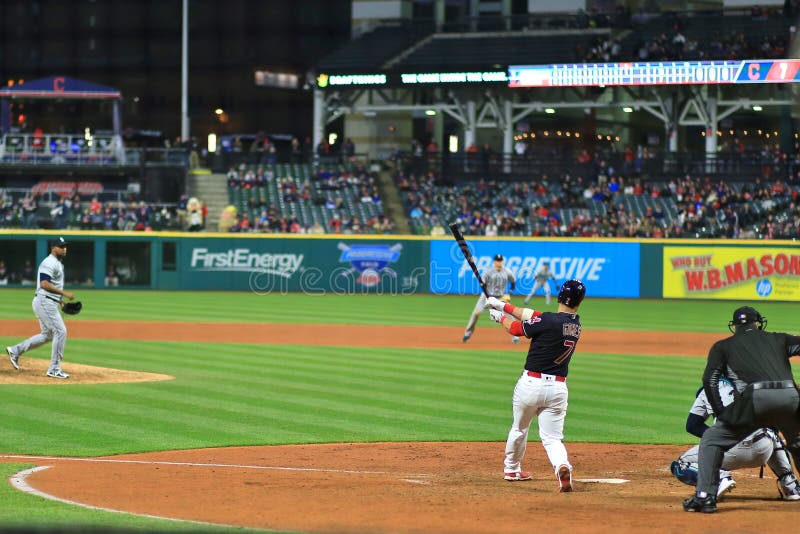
{"x":732,"y":273}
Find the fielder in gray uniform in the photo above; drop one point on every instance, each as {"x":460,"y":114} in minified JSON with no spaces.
{"x":763,"y":446}
{"x":496,"y":279}
{"x":542,"y":279}
{"x":47,"y":302}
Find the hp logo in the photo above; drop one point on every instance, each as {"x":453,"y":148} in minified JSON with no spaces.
{"x":764,"y":288}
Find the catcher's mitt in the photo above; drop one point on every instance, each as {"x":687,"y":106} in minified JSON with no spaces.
{"x":72,"y":308}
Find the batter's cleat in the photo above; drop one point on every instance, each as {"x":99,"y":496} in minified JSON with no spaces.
{"x":564,"y":474}
{"x":725,"y":485}
{"x":57,"y":373}
{"x":517,"y":477}
{"x":706,"y":504}
{"x":526,"y":300}
{"x":789,"y":494}
{"x":466,"y":338}
{"x":13,"y":357}
{"x":515,"y":340}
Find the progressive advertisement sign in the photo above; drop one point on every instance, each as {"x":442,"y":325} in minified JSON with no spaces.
{"x":607,"y":269}
{"x":732,"y":273}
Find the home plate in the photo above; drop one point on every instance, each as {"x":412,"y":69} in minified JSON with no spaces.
{"x":603,"y":480}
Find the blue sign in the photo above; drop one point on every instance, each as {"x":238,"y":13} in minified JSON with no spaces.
{"x":607,"y":269}
{"x":764,"y":288}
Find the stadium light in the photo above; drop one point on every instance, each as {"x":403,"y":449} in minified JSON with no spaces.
{"x":430,"y":112}
{"x":627,"y":109}
{"x":212,"y":142}
{"x":219,"y":111}
{"x":549,"y":111}
{"x":453,"y":144}
{"x":757,"y":108}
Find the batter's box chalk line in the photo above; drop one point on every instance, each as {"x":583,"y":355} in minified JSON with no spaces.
{"x":602,"y":480}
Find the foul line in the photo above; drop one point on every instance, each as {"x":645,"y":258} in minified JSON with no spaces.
{"x":196,"y":464}
{"x":20,"y":481}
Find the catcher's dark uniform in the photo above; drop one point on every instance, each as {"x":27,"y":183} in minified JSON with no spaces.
{"x":757,"y":364}
{"x":542,"y":391}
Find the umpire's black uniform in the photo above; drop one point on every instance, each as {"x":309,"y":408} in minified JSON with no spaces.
{"x":757,"y":363}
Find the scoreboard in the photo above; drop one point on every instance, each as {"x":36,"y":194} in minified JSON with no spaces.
{"x":655,"y":73}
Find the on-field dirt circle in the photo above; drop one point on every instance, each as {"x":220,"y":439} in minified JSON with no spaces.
{"x":393,"y":487}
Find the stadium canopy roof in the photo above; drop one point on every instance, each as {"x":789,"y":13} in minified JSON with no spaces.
{"x":60,"y":87}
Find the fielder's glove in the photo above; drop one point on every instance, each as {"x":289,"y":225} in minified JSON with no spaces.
{"x":496,"y":315}
{"x":495,"y":303}
{"x":72,"y":308}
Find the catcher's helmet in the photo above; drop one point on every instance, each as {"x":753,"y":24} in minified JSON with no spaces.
{"x":572,"y":293}
{"x":746,"y":315}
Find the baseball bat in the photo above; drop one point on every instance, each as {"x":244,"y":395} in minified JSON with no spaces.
{"x":462,"y":244}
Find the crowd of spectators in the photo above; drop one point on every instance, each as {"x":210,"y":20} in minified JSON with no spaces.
{"x":77,"y":212}
{"x":337,"y":191}
{"x":688,"y":38}
{"x":612,"y":206}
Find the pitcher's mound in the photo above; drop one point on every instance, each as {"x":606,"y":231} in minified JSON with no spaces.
{"x":33,"y":371}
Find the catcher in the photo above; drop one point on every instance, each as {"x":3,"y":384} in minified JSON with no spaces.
{"x":47,"y":300}
{"x":496,"y":280}
{"x":764,"y":446}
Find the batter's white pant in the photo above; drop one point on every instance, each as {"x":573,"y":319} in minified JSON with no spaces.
{"x":546,"y":399}
{"x":53,"y":328}
{"x":545,"y":285}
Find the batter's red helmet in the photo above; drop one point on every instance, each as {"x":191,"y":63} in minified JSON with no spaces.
{"x":572,"y":293}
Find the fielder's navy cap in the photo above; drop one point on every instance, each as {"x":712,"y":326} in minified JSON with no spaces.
{"x":498,"y":257}
{"x":58,"y":242}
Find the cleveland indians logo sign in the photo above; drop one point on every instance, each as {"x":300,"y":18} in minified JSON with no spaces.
{"x":369,"y":261}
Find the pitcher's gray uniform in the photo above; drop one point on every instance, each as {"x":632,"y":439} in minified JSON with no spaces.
{"x":46,"y":306}
{"x":761,"y":447}
{"x":496,"y":280}
{"x":542,"y":279}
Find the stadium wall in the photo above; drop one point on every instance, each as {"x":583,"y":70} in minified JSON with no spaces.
{"x":614,"y":268}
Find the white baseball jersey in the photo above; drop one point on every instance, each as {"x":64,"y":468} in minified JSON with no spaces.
{"x":53,"y":269}
{"x":496,"y":281}
{"x":701,"y":405}
{"x":543,"y":274}
{"x":703,"y":408}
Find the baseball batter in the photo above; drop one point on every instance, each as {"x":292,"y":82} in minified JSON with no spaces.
{"x":542,"y":279}
{"x":764,"y":446}
{"x":541,"y":391}
{"x":47,"y":302}
{"x":496,"y":279}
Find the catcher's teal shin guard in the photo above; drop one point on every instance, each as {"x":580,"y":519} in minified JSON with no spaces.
{"x":684,"y":473}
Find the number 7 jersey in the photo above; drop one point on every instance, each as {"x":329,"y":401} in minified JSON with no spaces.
{"x":554,"y":337}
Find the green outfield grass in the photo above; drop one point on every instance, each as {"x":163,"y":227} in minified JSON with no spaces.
{"x":213,"y":306}
{"x":238,"y":394}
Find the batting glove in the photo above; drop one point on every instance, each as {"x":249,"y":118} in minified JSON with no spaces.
{"x":495,"y":303}
{"x":496,"y":315}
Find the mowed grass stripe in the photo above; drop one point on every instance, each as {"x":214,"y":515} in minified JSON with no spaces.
{"x":442,"y":310}
{"x":335,"y":393}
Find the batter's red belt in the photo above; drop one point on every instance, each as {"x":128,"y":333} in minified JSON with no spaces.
{"x":534,"y":374}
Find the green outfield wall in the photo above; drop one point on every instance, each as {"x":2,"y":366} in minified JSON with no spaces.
{"x":681,"y":268}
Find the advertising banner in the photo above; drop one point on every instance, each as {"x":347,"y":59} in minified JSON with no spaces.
{"x":313,"y":266}
{"x":607,"y":269}
{"x":732,"y":273}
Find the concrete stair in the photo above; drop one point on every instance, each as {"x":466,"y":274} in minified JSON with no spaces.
{"x":211,"y":189}
{"x":392,"y":203}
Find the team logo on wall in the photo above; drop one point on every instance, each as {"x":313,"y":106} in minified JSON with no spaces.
{"x":369,"y":261}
